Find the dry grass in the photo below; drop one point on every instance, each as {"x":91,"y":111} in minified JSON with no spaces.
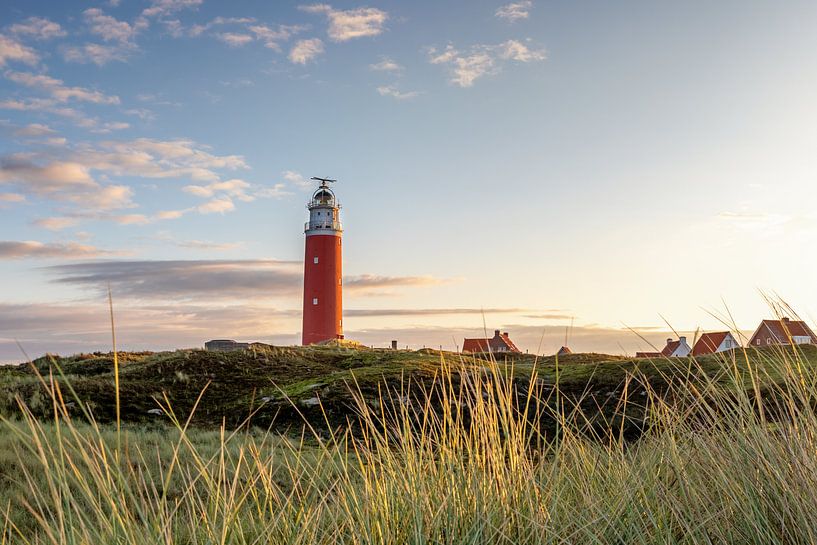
{"x":726,"y":457}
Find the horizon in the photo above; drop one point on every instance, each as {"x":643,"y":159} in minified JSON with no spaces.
{"x":521,"y":166}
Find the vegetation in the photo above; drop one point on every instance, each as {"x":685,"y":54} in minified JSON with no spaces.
{"x":410,"y":447}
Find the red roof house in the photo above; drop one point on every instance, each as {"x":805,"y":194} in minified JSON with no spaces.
{"x":564,"y":351}
{"x":785,"y":331}
{"x":712,"y":343}
{"x":674,"y":349}
{"x":498,"y":343}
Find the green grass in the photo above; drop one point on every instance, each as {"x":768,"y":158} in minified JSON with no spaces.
{"x":424,"y":448}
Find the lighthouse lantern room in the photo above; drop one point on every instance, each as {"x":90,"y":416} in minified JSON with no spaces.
{"x":323,"y":273}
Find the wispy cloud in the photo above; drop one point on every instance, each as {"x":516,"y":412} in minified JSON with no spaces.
{"x":38,"y":28}
{"x":159,"y":8}
{"x":515,"y":10}
{"x":349,"y":24}
{"x":60,"y":250}
{"x":13,"y":51}
{"x":57,"y":90}
{"x":482,"y":60}
{"x":234,"y":39}
{"x":215,"y":279}
{"x":306,"y":50}
{"x":394,"y":92}
{"x":95,"y":53}
{"x":386,"y":64}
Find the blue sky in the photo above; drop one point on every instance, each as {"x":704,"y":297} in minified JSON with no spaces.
{"x":513,"y":164}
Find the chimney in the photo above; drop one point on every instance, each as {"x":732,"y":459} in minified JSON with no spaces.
{"x":786,"y":319}
{"x":505,"y":334}
{"x":496,"y":333}
{"x":683,"y":340}
{"x":394,"y":345}
{"x":669,"y":340}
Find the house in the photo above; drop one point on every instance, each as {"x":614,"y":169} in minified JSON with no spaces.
{"x":225,"y":345}
{"x":499,"y":343}
{"x":785,"y":331}
{"x":712,"y":343}
{"x":648,"y":354}
{"x":564,"y":351}
{"x":674,"y":349}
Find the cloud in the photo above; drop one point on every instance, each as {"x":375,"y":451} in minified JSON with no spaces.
{"x":57,"y":90}
{"x":275,"y":192}
{"x":111,"y":29}
{"x":56,"y":223}
{"x":466,"y":69}
{"x":482,"y":60}
{"x":305,"y":50}
{"x":76,"y":174}
{"x":378,"y":312}
{"x":12,"y":50}
{"x":12,"y":197}
{"x":38,"y":28}
{"x":256,"y":280}
{"x":34,"y":130}
{"x":385,"y":65}
{"x":167,"y":7}
{"x":234,"y":39}
{"x":273,"y":37}
{"x":217,"y":206}
{"x":372,"y":284}
{"x":208,"y":279}
{"x":230,"y":188}
{"x":54,"y":107}
{"x":95,"y":53}
{"x":517,"y":51}
{"x":297,"y":179}
{"x":43,"y":179}
{"x":208,"y":245}
{"x":393,"y":91}
{"x":353,"y":23}
{"x":33,"y":249}
{"x":515,"y":10}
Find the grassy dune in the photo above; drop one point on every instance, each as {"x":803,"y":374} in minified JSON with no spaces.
{"x":411,"y":447}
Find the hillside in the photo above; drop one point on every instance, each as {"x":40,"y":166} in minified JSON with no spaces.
{"x":280,"y":384}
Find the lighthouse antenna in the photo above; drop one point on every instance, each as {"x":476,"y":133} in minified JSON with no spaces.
{"x":323,"y":181}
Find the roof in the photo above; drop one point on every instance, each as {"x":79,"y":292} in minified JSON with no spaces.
{"x":785,"y":328}
{"x":671,"y":347}
{"x":564,"y":351}
{"x":475,"y":345}
{"x":648,"y":354}
{"x":709,"y":343}
{"x":498,"y":343}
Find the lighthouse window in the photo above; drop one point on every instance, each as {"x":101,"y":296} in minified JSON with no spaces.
{"x":314,"y":300}
{"x":315,"y":260}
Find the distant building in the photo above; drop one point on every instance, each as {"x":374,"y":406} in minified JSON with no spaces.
{"x":782,"y":332}
{"x":497,"y":344}
{"x":224,"y":345}
{"x":712,"y":343}
{"x":674,"y":349}
{"x":564,"y":351}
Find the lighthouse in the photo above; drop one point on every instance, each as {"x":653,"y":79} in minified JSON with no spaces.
{"x":323,"y":274}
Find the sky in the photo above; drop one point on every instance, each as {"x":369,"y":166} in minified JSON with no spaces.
{"x":631,"y":168}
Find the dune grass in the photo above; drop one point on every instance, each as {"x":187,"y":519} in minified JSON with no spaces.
{"x":725,"y":457}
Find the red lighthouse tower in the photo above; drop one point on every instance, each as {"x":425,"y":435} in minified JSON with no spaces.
{"x":323,"y":276}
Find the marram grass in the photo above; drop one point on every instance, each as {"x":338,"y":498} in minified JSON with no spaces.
{"x":724,"y":459}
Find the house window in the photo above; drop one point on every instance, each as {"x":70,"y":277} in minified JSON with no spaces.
{"x":314,"y":300}
{"x":768,"y":341}
{"x":340,"y":323}
{"x":340,"y":281}
{"x":315,"y":260}
{"x":758,"y":341}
